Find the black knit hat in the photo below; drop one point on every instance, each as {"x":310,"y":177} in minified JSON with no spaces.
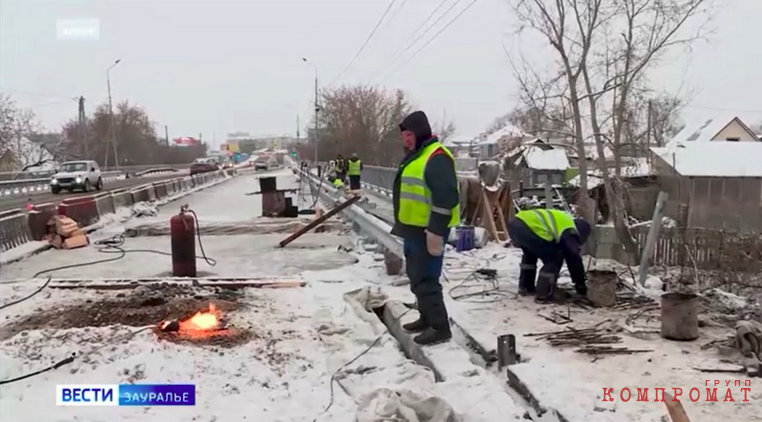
{"x":418,"y":123}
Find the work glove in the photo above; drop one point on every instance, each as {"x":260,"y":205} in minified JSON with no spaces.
{"x":434,"y":244}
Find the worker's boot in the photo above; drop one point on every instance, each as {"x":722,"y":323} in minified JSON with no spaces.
{"x":416,"y":326}
{"x":546,"y":286}
{"x":432,"y":336}
{"x":436,"y":315}
{"x":526,"y":279}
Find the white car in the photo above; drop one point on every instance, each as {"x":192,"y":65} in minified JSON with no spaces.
{"x":83,"y":175}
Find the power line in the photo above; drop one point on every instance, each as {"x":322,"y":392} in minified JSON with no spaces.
{"x":378,"y":24}
{"x":434,"y":37}
{"x":397,"y":12}
{"x":415,"y":36}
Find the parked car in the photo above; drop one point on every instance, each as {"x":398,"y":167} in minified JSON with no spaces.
{"x":72,"y":175}
{"x":204,"y":165}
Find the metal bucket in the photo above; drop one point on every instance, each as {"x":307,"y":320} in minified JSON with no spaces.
{"x":601,"y":287}
{"x":679,"y":316}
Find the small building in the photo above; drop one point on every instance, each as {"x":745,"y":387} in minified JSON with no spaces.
{"x":540,"y":163}
{"x":501,"y":141}
{"x":716,"y":129}
{"x":712,"y":184}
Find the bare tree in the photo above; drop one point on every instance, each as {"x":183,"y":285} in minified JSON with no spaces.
{"x":569,"y":26}
{"x":362,"y":119}
{"x":444,"y":130}
{"x":138,"y":141}
{"x":650,"y":28}
{"x":17,"y":150}
{"x":604,"y":50}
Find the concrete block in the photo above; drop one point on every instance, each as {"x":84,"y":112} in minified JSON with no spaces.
{"x":37,"y":219}
{"x":140,"y":194}
{"x":83,"y":210}
{"x":122,"y":199}
{"x":160,"y":189}
{"x":105,"y":204}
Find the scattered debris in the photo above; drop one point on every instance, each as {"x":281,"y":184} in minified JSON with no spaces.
{"x":608,"y":350}
{"x":65,"y":233}
{"x":144,"y":209}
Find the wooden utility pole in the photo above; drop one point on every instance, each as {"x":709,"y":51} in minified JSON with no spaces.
{"x":166,"y":134}
{"x":82,"y":128}
{"x":653,"y":235}
{"x":648,"y":132}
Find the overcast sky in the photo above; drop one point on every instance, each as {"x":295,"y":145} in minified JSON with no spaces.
{"x":219,"y":66}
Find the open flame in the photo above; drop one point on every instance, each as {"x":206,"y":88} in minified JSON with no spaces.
{"x":202,"y":320}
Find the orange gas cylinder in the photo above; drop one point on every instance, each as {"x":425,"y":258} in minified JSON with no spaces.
{"x":182,"y":229}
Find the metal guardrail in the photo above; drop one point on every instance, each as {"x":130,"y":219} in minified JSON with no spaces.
{"x":18,"y":176}
{"x":14,"y":230}
{"x":368,"y":223}
{"x":31,"y":186}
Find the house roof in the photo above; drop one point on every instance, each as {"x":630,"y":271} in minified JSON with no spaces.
{"x":714,"y":159}
{"x":591,"y":151}
{"x":510,"y":131}
{"x":704,"y":130}
{"x":552,"y":159}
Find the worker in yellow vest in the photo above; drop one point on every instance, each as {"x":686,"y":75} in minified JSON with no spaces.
{"x":336,"y":182}
{"x":552,"y":236}
{"x":354,"y":170}
{"x":426,"y":207}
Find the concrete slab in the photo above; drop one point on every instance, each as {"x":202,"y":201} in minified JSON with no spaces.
{"x":451,"y":364}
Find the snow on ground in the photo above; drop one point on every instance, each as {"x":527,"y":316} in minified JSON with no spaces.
{"x":301,"y":336}
{"x":573,"y":383}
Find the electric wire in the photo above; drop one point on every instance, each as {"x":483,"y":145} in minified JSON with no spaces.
{"x":416,"y":36}
{"x":111,"y":245}
{"x":75,"y":356}
{"x":434,"y":37}
{"x":373,"y":32}
{"x":353,"y":360}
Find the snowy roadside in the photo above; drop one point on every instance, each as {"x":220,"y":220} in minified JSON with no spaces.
{"x":120,"y":216}
{"x":572,"y":383}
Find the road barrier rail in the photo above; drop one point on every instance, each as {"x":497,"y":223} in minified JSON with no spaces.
{"x":18,"y":226}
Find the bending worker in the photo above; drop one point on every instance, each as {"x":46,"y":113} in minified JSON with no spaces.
{"x":336,"y":182}
{"x":426,"y":206}
{"x":553,"y":236}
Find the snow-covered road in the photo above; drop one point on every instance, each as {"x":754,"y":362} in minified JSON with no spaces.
{"x":290,"y":343}
{"x":296,"y":339}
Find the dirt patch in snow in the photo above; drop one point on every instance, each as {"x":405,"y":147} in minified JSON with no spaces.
{"x":143,"y":306}
{"x":227,"y":338}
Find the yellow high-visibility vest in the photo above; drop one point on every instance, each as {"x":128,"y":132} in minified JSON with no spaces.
{"x":547,"y":224}
{"x":338,"y":183}
{"x":354,"y":168}
{"x":415,"y":198}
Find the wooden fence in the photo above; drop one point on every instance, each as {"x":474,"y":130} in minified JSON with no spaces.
{"x":704,"y":249}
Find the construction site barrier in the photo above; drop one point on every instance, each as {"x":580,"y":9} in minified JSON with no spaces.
{"x":18,"y":227}
{"x":141,"y":194}
{"x":14,"y":230}
{"x":105,"y":203}
{"x":38,"y":219}
{"x":122,"y":199}
{"x":160,"y":190}
{"x":83,"y":210}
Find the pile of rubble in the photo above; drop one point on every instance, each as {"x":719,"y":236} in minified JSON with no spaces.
{"x":65,"y":233}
